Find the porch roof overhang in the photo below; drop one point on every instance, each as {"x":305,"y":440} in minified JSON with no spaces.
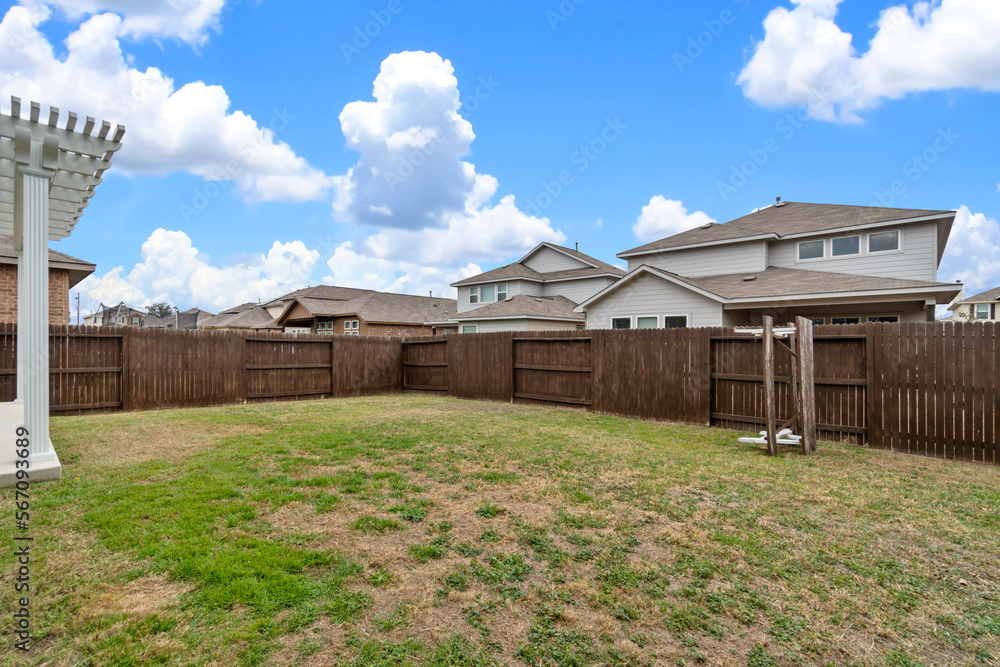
{"x":77,"y":154}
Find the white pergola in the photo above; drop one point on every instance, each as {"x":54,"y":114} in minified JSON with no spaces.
{"x":49,"y":169}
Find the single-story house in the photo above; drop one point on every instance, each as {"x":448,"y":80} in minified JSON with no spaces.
{"x":65,"y":272}
{"x":979,"y":308}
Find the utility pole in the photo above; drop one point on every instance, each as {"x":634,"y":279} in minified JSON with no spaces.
{"x":77,"y":309}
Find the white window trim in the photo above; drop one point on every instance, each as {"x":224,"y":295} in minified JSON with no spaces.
{"x":898,"y":316}
{"x":474,"y":294}
{"x":897,"y":251}
{"x":659,"y":321}
{"x":975,"y":312}
{"x":351,"y":325}
{"x":798,"y":251}
{"x":470,"y":326}
{"x":860,"y":319}
{"x":630,"y":319}
{"x":686,"y":316}
{"x":849,"y":254}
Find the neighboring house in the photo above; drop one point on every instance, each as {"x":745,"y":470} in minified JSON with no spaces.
{"x":538,"y":292}
{"x":328,"y":309}
{"x":978,"y":308}
{"x":65,"y":272}
{"x":122,"y":315}
{"x":184,"y":320}
{"x":370,"y":314}
{"x":832,"y":264}
{"x":247,"y":316}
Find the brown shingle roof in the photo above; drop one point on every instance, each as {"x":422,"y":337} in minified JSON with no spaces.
{"x":523,"y":305}
{"x":790,"y":218}
{"x":78,"y":269}
{"x":382,"y":307}
{"x":781,"y":282}
{"x":519,"y":270}
{"x":244,"y":316}
{"x":984,"y":297}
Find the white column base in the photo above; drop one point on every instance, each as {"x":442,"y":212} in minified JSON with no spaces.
{"x":44,"y":466}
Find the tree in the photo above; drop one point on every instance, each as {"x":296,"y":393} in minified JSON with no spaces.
{"x":161,"y":310}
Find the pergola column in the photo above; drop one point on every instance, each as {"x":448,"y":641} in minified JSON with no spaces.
{"x":33,"y":308}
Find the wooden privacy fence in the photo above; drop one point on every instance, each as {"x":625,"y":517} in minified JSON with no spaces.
{"x":102,"y":369}
{"x":651,"y":374}
{"x":925,"y":389}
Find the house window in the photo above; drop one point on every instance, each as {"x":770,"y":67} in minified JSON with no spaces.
{"x":351,"y":326}
{"x":352,"y":333}
{"x":675,"y":322}
{"x":470,"y":328}
{"x":885,"y":319}
{"x":849,"y":245}
{"x":647,"y":322}
{"x":817,"y":321}
{"x":621,"y":322}
{"x":883,"y":242}
{"x":473,"y":295}
{"x":135,"y":320}
{"x":447,"y":331}
{"x":982,"y":311}
{"x":487,"y":293}
{"x":121,"y":319}
{"x":502,"y":292}
{"x":846,"y":320}
{"x":812,"y":250}
{"x":580,"y":327}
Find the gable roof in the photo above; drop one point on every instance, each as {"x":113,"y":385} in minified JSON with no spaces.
{"x":778,"y":283}
{"x":984,"y":297}
{"x":788,"y":219}
{"x":245,"y":316}
{"x":320,"y":292}
{"x":378,"y":307}
{"x":524,"y":306}
{"x":77,"y":268}
{"x":519,"y":271}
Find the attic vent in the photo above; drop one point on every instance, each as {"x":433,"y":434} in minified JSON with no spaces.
{"x":749,"y":279}
{"x":708,"y":226}
{"x":508,"y":299}
{"x":538,"y":300}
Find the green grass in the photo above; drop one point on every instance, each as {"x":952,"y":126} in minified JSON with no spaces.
{"x":411,"y":530}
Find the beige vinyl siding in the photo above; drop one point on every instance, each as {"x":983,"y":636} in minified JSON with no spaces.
{"x":576,"y":291}
{"x":917,"y":261}
{"x":650,"y":295}
{"x":514,"y":287}
{"x":711,"y":261}
{"x":546,"y":325}
{"x":548,"y":260}
{"x":491,"y":326}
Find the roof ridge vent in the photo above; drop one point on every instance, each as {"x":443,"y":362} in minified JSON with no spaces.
{"x":749,"y":279}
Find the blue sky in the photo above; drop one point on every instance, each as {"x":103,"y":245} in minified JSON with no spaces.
{"x":257,"y":159}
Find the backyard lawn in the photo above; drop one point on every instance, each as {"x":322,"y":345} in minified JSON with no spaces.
{"x":413,"y":530}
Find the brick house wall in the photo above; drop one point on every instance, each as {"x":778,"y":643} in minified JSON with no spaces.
{"x":58,"y":294}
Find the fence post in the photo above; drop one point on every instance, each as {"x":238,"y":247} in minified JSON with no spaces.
{"x":769,"y":400}
{"x":808,"y":370}
{"x":126,"y":366}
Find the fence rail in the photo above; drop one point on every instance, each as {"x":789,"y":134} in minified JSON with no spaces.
{"x":925,"y":389}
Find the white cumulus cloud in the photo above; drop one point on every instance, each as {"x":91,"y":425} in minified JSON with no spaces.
{"x":973,"y":252}
{"x":174,"y":271}
{"x":805,"y":59}
{"x":352,"y":269}
{"x":186,"y":20}
{"x":191,"y":128}
{"x":411,"y":182}
{"x":664,"y":217}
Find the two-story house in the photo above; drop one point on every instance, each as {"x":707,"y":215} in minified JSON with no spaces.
{"x":122,"y":315}
{"x":537,"y":293}
{"x":979,"y":308}
{"x":832,"y":264}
